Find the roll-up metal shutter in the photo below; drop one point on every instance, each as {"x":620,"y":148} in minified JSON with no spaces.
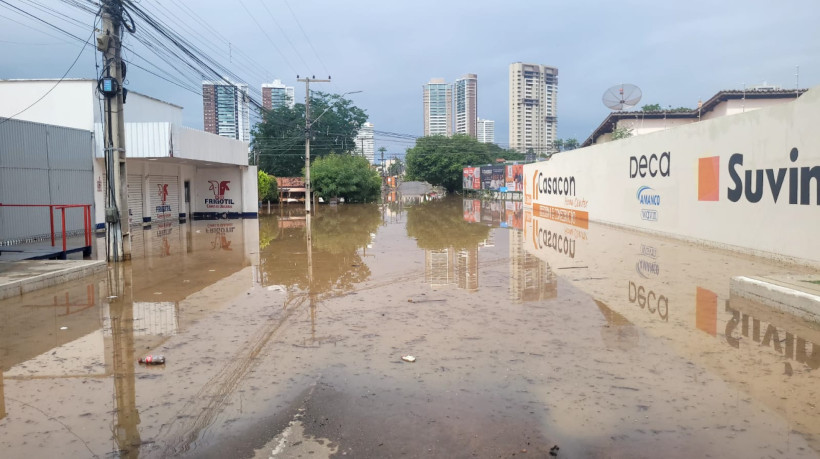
{"x":164,"y":192}
{"x":135,"y":200}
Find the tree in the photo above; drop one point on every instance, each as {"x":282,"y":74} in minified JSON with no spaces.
{"x":571,"y":144}
{"x":396,"y":167}
{"x":651,"y":108}
{"x":558,"y":145}
{"x":350,"y":177}
{"x":279,"y":139}
{"x":440,"y":160}
{"x":621,"y":133}
{"x":267,"y":187}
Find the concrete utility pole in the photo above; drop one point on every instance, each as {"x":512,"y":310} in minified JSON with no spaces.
{"x":118,"y":236}
{"x":307,"y":136}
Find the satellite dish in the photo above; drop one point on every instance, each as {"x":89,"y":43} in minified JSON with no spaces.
{"x":622,"y":96}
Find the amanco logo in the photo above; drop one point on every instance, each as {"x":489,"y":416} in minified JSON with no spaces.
{"x":647,"y":196}
{"x":753,"y":184}
{"x":558,"y":242}
{"x":562,"y":186}
{"x":652,"y":165}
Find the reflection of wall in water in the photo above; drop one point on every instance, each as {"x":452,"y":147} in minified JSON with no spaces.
{"x":439,"y":267}
{"x":531,"y":278}
{"x":768,"y":330}
{"x":467,"y":268}
{"x":2,"y":398}
{"x":149,"y":319}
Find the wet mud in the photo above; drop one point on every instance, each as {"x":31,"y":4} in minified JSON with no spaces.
{"x":628,"y":345}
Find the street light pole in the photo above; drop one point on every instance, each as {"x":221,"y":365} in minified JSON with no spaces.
{"x":307,"y":136}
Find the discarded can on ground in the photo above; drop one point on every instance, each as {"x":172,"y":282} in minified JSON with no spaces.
{"x":153,"y":360}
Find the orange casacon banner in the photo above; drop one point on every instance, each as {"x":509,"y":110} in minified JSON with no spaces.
{"x":579,"y":218}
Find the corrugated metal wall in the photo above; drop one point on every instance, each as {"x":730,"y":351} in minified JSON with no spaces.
{"x":42,"y":164}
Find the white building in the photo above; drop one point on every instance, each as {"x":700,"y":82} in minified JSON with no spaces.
{"x":364,"y":142}
{"x":438,"y":96}
{"x":533,"y":107}
{"x":724,"y":103}
{"x":485,"y":131}
{"x":226,"y":109}
{"x":173,"y":171}
{"x":465,"y":104}
{"x":277,"y":94}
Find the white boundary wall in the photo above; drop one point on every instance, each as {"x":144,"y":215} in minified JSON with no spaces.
{"x":688,"y":182}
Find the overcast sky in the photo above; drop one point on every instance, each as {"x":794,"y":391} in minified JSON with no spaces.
{"x":677,"y":52}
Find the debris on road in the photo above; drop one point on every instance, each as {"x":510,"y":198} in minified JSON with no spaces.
{"x":408,"y":358}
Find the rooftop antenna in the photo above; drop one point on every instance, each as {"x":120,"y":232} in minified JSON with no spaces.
{"x":622,"y":96}
{"x":796,"y":81}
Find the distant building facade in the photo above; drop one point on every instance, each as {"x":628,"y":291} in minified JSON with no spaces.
{"x":485,"y":131}
{"x":465,"y":101}
{"x":364,"y":142}
{"x":437,"y":108}
{"x":226,"y":109}
{"x":533,"y":107}
{"x":277,"y":94}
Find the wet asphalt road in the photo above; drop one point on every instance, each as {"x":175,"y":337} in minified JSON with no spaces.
{"x":611,"y":344}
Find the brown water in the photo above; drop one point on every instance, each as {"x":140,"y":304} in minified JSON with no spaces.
{"x":610,"y":343}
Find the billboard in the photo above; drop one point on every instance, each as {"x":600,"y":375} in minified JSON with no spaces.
{"x":514,"y":176}
{"x":472,"y":178}
{"x":498,"y":182}
{"x":486,"y":177}
{"x":472,"y":210}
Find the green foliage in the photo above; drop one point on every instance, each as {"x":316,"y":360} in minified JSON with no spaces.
{"x":439,"y":224}
{"x":621,"y":133}
{"x":658,"y":108}
{"x":565,"y":144}
{"x":345,"y":229}
{"x":268,"y":190}
{"x":440,"y":160}
{"x":279,"y":138}
{"x":651,"y":108}
{"x":350,"y":177}
{"x":395,"y":168}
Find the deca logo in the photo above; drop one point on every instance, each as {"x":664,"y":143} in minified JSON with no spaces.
{"x":753,"y":184}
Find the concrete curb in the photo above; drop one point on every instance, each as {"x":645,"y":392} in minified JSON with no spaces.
{"x":785,"y":298}
{"x":38,"y":281}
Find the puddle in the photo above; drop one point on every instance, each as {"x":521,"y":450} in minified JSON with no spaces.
{"x":528,"y":333}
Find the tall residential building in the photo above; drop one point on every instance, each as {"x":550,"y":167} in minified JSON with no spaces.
{"x":438,"y":97}
{"x":364,"y":142}
{"x":485,"y":131}
{"x":276,"y":94}
{"x":533,"y":107}
{"x":226,"y":109}
{"x":465,"y":100}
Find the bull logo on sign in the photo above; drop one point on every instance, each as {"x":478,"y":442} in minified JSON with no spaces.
{"x":163,"y":192}
{"x":219,"y":188}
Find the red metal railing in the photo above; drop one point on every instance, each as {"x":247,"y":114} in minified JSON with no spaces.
{"x":62,"y":207}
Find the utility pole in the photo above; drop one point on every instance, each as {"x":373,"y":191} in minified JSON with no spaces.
{"x":118,"y":237}
{"x":307,"y":81}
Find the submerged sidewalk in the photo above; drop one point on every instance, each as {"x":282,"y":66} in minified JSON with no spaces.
{"x":18,"y":277}
{"x":797,"y":295}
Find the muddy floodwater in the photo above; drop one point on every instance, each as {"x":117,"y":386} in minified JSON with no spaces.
{"x":284,"y":338}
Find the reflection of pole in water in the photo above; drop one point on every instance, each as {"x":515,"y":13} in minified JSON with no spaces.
{"x":309,"y":233}
{"x":2,"y":396}
{"x":126,"y":432}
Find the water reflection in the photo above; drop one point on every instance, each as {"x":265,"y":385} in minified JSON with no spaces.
{"x":84,"y":338}
{"x":335,"y":263}
{"x":674,"y":291}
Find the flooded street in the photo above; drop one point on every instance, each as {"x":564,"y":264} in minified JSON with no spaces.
{"x":527,"y":334}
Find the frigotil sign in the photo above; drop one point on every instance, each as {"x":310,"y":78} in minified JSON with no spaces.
{"x":220,"y":198}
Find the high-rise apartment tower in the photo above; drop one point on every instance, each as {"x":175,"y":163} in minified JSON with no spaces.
{"x":437,"y":108}
{"x":277,"y":94}
{"x":465,"y":101}
{"x":533,"y":107}
{"x":485,"y":131}
{"x":226,"y":109}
